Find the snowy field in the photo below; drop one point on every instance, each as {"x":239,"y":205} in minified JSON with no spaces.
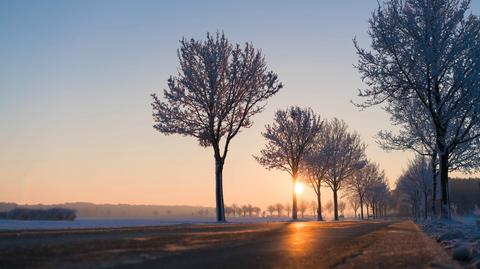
{"x":81,"y":223}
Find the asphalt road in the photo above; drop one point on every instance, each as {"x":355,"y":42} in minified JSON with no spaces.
{"x":372,"y":244}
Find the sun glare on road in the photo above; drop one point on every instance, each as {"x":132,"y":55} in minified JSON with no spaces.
{"x":298,"y":188}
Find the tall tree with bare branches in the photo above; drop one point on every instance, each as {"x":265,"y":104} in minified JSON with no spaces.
{"x":316,"y":165}
{"x":218,"y":88}
{"x":347,"y":156}
{"x":290,"y":137}
{"x":426,"y":57}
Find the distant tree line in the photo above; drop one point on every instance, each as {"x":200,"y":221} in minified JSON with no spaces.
{"x":414,"y":194}
{"x":90,"y":210}
{"x":39,"y":214}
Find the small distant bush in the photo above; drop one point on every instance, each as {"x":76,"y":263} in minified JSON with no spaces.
{"x":39,"y":214}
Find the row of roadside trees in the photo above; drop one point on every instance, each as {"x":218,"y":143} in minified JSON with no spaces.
{"x":323,"y":153}
{"x":423,"y":68}
{"x":219,"y":88}
{"x":305,"y":208}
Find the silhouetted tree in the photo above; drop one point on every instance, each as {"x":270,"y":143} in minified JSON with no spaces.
{"x":358,"y":183}
{"x":289,"y":139}
{"x":329,"y":207}
{"x":271,"y":209}
{"x":313,"y":206}
{"x":257,"y":211}
{"x":354,"y":203}
{"x":288,"y":208}
{"x":279,"y":208}
{"x":341,"y":207}
{"x":219,"y":87}
{"x":316,"y":165}
{"x":303,"y":206}
{"x":347,"y":156}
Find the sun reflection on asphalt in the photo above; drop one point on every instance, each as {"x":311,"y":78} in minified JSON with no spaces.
{"x":297,"y":240}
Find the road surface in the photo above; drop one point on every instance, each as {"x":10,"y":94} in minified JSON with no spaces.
{"x":369,"y":244}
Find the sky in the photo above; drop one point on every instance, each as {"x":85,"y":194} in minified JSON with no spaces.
{"x":76,"y":79}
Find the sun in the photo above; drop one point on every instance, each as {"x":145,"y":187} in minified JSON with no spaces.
{"x":298,"y":188}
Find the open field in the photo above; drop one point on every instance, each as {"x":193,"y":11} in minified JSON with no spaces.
{"x":346,"y":244}
{"x":88,"y":223}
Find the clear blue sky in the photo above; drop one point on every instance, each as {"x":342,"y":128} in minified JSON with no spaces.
{"x":75,"y":79}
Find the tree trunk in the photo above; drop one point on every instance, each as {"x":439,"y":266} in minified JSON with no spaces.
{"x":445,"y":203}
{"x":361,"y":207}
{"x":335,"y":204}
{"x":219,"y":190}
{"x":434,"y":190}
{"x":373,"y":210}
{"x":294,"y":197}
{"x":426,"y":204}
{"x":366,"y":204}
{"x":319,"y":206}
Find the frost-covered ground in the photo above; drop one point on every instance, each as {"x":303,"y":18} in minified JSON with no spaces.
{"x":461,"y":236}
{"x":81,"y":223}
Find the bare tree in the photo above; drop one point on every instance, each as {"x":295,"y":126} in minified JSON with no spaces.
{"x":313,"y":206}
{"x":219,"y":87}
{"x":239,"y":211}
{"x":257,"y":211}
{"x":228,"y":210}
{"x":279,"y":209}
{"x":426,"y":57}
{"x":316,"y":165}
{"x":377,"y":194}
{"x":347,"y":156}
{"x":341,"y":207}
{"x":358,"y":183}
{"x":354,"y":203}
{"x":288,"y":208}
{"x":303,"y":206}
{"x":234,"y":209}
{"x":250,"y":210}
{"x":415,"y":183}
{"x":271,"y":209}
{"x":329,"y":207}
{"x":244,"y":210}
{"x":289,"y":139}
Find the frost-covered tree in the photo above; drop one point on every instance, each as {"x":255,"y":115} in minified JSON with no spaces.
{"x":347,"y":155}
{"x":426,"y":56}
{"x":250,"y":210}
{"x":244,"y":210}
{"x":279,"y":208}
{"x":302,"y":207}
{"x":341,"y":207}
{"x":354,"y":203}
{"x":288,"y":208}
{"x":357,"y":185}
{"x":218,"y":88}
{"x":313,"y":207}
{"x":234,"y":209}
{"x":290,"y":137}
{"x":316,"y":165}
{"x":377,"y":195}
{"x":329,"y":207}
{"x":271,"y":209}
{"x":415,"y":183}
{"x":257,"y":211}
